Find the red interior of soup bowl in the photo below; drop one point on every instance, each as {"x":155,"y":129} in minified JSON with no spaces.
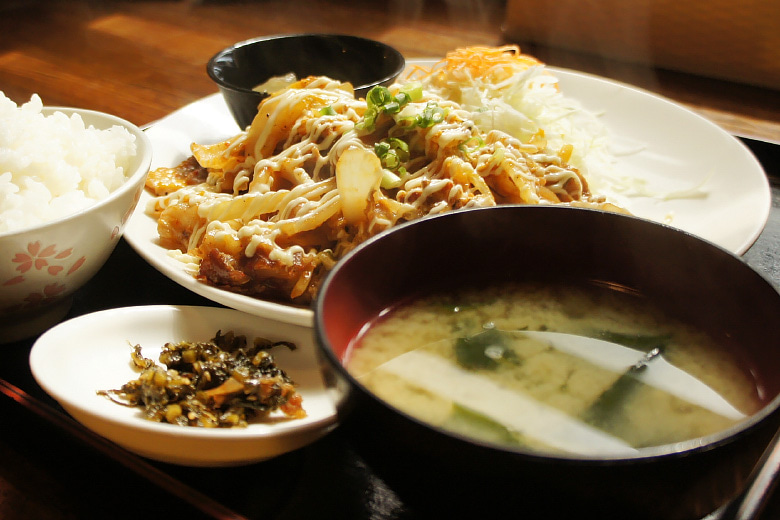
{"x":691,"y":279}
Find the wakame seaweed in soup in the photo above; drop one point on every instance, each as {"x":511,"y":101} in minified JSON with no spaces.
{"x":484,"y":363}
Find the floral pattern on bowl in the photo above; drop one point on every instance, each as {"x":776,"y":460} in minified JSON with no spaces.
{"x":43,"y":260}
{"x":42,"y":266}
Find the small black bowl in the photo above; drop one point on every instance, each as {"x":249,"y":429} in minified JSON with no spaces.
{"x":436,"y":471}
{"x":241,"y":67}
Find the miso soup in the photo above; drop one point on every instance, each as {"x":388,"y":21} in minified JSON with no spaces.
{"x":517,"y":366}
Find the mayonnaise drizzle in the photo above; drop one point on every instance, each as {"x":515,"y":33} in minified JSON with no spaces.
{"x":283,"y":170}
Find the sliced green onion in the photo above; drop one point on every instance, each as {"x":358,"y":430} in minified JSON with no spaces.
{"x":431,"y":115}
{"x":414,"y":90}
{"x":380,"y":100}
{"x":402,"y":99}
{"x":393,"y":107}
{"x":392,"y":152}
{"x":390,"y":180}
{"x":400,"y":147}
{"x":368,"y":123}
{"x":471,"y":145}
{"x":390,"y":160}
{"x":378,"y":96}
{"x":327,"y":111}
{"x":381,"y":148}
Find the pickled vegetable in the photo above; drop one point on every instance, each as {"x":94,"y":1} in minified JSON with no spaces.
{"x":224,"y":382}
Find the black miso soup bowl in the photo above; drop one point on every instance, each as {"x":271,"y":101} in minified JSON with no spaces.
{"x":444,"y":473}
{"x":238,"y":69}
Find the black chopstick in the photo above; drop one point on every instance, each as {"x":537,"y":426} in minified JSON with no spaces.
{"x":126,"y":458}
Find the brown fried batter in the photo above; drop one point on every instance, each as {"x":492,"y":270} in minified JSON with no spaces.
{"x":163,"y":181}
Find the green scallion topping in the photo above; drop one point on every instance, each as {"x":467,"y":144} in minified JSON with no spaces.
{"x":472,"y":145}
{"x":380,"y":100}
{"x":389,"y":180}
{"x":392,"y":152}
{"x":431,"y":115}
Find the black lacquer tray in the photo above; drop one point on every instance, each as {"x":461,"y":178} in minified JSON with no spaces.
{"x":46,"y":456}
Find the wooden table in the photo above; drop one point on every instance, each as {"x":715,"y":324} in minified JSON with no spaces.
{"x":142,"y":60}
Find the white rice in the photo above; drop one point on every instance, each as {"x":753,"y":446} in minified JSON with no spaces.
{"x":53,"y":166}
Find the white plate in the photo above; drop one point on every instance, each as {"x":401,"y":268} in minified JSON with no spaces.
{"x":75,"y":359}
{"x":671,"y":148}
{"x":145,"y":240}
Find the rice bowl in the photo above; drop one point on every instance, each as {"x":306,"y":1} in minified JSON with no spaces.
{"x":43,"y":263}
{"x":54,"y":165}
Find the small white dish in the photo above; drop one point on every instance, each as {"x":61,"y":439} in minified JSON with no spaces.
{"x":76,"y":358}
